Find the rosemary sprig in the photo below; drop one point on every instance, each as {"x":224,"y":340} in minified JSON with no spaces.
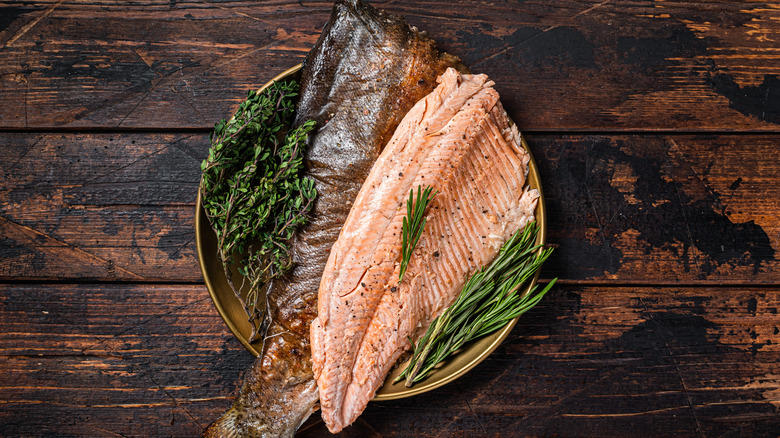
{"x":488,"y":301}
{"x":254,"y":194}
{"x":413,"y":224}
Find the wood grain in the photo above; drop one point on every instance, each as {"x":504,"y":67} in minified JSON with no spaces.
{"x":152,"y":360}
{"x":623,"y":208}
{"x":655,"y":128}
{"x":662,"y":209}
{"x":564,"y":65}
{"x":113,"y":360}
{"x":110,"y":207}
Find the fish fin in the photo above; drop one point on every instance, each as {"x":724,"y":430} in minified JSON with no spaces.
{"x":225,"y":426}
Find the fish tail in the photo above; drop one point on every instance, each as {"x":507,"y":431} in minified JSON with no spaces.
{"x":225,"y":426}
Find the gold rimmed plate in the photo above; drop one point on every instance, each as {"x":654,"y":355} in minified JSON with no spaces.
{"x":233,"y":314}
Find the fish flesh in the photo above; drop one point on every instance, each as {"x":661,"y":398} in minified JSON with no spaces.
{"x":458,"y":140}
{"x":367,"y":69}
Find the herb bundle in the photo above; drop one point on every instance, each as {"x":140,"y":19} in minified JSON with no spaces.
{"x":413,"y":224}
{"x":489,"y":300}
{"x":254,"y":194}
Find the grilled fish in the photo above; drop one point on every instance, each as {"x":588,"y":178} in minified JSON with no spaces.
{"x":458,"y":140}
{"x":367,"y":69}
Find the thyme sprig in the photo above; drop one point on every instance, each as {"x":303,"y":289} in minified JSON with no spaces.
{"x":413,"y":224}
{"x":487,"y":302}
{"x":254,"y":194}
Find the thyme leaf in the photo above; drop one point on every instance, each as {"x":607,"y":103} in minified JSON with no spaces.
{"x":254,"y":192}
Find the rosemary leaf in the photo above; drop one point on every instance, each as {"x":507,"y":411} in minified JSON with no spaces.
{"x":413,"y":224}
{"x":488,"y":301}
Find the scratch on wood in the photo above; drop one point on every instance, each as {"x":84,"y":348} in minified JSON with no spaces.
{"x":178,"y":250}
{"x":598,"y":222}
{"x":527,"y":420}
{"x":147,"y":156}
{"x":163,"y":79}
{"x":547,"y":29}
{"x":153,"y":318}
{"x":107,"y":431}
{"x":589,"y":9}
{"x":242,"y":14}
{"x":443,"y":430}
{"x":627,"y":414}
{"x":82,"y":354}
{"x":26,"y":101}
{"x":186,"y":102}
{"x":143,"y":58}
{"x":176,"y":403}
{"x":26,"y":28}
{"x":203,"y":399}
{"x":685,"y":215}
{"x":593,"y":207}
{"x":269,"y":45}
{"x":676,"y":367}
{"x":135,"y":106}
{"x":70,"y":388}
{"x":438,"y":16}
{"x":567,"y":20}
{"x":27,"y":151}
{"x":696,"y":174}
{"x":617,"y":212}
{"x":766,"y":100}
{"x":474,"y":414}
{"x":65,"y":244}
{"x":186,"y":151}
{"x":506,"y":49}
{"x":672,"y":408}
{"x":77,"y":405}
{"x":365,"y":424}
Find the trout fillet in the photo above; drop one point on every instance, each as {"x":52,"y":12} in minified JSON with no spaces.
{"x":367,"y":69}
{"x":458,"y":140}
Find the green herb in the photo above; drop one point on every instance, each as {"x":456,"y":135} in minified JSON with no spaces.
{"x":413,"y":224}
{"x":488,"y":301}
{"x":253,"y":192}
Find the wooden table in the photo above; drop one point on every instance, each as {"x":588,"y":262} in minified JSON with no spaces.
{"x":656,"y":125}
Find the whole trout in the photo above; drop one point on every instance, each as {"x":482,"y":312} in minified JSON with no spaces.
{"x":367,"y":69}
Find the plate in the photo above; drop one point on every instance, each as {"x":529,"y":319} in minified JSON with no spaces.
{"x":233,"y":314}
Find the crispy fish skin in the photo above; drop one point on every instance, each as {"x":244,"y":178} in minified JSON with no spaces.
{"x":391,"y":66}
{"x":367,"y":69}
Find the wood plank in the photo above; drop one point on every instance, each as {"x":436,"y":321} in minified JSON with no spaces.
{"x":107,"y":360}
{"x":565,"y":65}
{"x":622,"y":208}
{"x":113,"y":360}
{"x":113,"y":206}
{"x":662,"y":209}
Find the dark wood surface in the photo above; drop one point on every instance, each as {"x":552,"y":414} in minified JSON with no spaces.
{"x":655,"y":125}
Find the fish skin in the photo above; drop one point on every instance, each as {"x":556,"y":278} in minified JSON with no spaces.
{"x":459,"y":140}
{"x":357,"y":106}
